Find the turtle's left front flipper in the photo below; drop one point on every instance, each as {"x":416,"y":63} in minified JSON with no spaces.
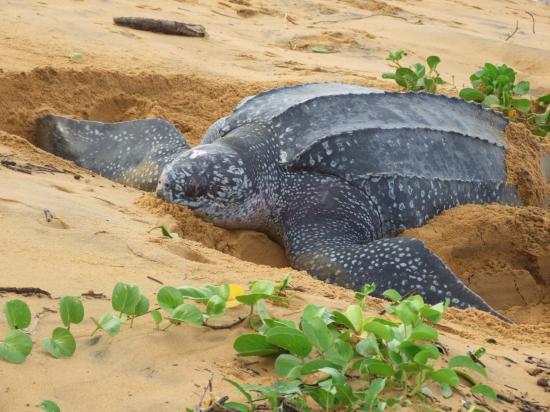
{"x":403,"y":264}
{"x":132,"y":153}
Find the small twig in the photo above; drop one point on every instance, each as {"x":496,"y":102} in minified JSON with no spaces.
{"x":207,"y":388}
{"x":160,"y":282}
{"x":227,"y":326}
{"x":161,"y":26}
{"x":366,"y":17}
{"x":510,"y":35}
{"x":93,"y":295}
{"x":532,"y":18}
{"x":26,"y":291}
{"x":476,"y":359}
{"x":511,"y":387}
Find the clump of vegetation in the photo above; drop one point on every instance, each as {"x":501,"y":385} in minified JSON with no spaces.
{"x":331,"y":358}
{"x":496,"y":87}
{"x":347,"y":360}
{"x":414,"y":78}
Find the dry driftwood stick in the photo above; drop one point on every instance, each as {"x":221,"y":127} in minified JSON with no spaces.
{"x":161,"y":26}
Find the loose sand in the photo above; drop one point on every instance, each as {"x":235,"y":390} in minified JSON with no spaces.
{"x":102,"y":233}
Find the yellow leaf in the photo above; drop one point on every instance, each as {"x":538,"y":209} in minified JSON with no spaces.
{"x":234,"y":291}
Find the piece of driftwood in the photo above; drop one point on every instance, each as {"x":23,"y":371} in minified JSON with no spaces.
{"x":25,"y":291}
{"x":162,"y":26}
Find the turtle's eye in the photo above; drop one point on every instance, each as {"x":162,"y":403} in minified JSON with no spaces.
{"x":196,"y":187}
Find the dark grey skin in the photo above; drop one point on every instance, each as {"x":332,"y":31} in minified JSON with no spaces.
{"x":329,"y":170}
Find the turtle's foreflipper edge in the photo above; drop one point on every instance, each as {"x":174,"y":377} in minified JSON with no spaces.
{"x":132,"y":153}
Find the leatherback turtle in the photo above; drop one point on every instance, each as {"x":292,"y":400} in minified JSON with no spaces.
{"x":328,"y":170}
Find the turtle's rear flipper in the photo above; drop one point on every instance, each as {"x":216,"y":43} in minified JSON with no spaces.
{"x":403,"y":264}
{"x":132,"y":153}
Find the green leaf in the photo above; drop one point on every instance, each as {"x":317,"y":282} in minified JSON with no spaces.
{"x":447,"y":376}
{"x":109,"y":323}
{"x":220,"y":290}
{"x":355,"y":315}
{"x":392,"y":294}
{"x":485,"y":390}
{"x":167,"y":233}
{"x":16,"y":346}
{"x":323,"y":398}
{"x":420,"y":70}
{"x":376,"y":386}
{"x":544,"y":100}
{"x":142,"y":307}
{"x":423,"y":332}
{"x":472,"y":95}
{"x":71,"y":310}
{"x":169,"y":298}
{"x":380,"y":368}
{"x":340,"y":353}
{"x":467,"y":362}
{"x":253,"y":344}
{"x":289,"y":339}
{"x":434,"y":313}
{"x":240,"y":389}
{"x":318,"y":334}
{"x":157,"y":317}
{"x":17,"y":314}
{"x":522,"y":88}
{"x":61,"y":345}
{"x":388,"y":75}
{"x":368,"y":346}
{"x":523,"y":105}
{"x":187,"y":313}
{"x":406,"y":78}
{"x":266,"y":287}
{"x":405,"y":313}
{"x":252,"y":298}
{"x":542,"y":119}
{"x":491,"y":101}
{"x":126,"y":298}
{"x":288,"y":366}
{"x":315,"y":365}
{"x":49,"y":406}
{"x":433,"y":61}
{"x":187,"y":292}
{"x":215,"y":306}
{"x":379,"y":329}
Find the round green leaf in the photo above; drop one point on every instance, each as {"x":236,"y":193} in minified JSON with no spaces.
{"x":447,"y":376}
{"x":423,"y":332}
{"x":49,"y":406}
{"x":252,"y":298}
{"x":379,"y":368}
{"x":379,"y":329}
{"x":125,"y":298}
{"x":433,"y":61}
{"x":472,"y":95}
{"x":318,"y":333}
{"x":290,"y":339}
{"x":406,"y":78}
{"x":253,"y":344}
{"x":61,"y":345}
{"x":485,"y":390}
{"x":142,"y":306}
{"x":16,"y":347}
{"x":392,"y":294}
{"x":109,"y":323}
{"x":187,"y":313}
{"x":187,"y":292}
{"x":71,"y":310}
{"x":17,"y":314}
{"x":523,"y":105}
{"x":169,"y":298}
{"x":522,"y":88}
{"x":215,"y":306}
{"x":467,"y":362}
{"x":288,"y":366}
{"x":544,"y":100}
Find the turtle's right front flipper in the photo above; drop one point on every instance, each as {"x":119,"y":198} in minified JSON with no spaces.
{"x":132,"y":153}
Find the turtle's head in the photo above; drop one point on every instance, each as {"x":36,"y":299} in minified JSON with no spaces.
{"x":211,"y":179}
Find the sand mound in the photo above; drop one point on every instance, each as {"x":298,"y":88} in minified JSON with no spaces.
{"x":192,"y":104}
{"x":503,"y":253}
